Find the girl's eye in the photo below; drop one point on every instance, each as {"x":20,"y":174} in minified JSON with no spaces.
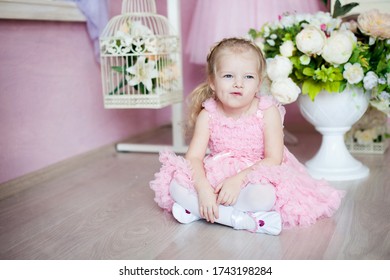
{"x":249,"y":77}
{"x":228,"y":76}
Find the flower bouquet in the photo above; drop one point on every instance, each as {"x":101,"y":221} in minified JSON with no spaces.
{"x":308,"y":53}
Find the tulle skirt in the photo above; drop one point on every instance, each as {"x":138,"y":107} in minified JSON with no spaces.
{"x":301,"y":200}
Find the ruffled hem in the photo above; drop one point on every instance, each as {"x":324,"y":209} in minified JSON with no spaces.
{"x":300,"y":199}
{"x":173,"y":167}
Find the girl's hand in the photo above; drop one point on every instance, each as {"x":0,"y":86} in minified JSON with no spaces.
{"x":208,"y":207}
{"x":229,"y":190}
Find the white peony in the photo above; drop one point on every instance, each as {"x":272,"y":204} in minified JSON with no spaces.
{"x":285,"y":90}
{"x":310,"y":40}
{"x":287,"y":48}
{"x":279,"y":67}
{"x":338,"y":47}
{"x":353,"y":73}
{"x":375,"y":24}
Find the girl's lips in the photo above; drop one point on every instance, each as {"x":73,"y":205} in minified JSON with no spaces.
{"x":237,"y":93}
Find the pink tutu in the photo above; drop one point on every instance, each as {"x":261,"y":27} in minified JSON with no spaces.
{"x":301,"y":200}
{"x":217,"y":19}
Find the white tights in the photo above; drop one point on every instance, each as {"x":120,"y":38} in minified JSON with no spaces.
{"x":252,"y":198}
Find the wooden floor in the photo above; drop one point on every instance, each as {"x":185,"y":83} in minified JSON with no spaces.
{"x":100,"y":206}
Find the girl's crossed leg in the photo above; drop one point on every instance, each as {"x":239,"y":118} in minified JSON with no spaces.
{"x":251,"y":212}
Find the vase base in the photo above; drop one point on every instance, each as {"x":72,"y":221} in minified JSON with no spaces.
{"x":332,"y":174}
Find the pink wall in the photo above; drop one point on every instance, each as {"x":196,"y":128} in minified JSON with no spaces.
{"x":51,"y":104}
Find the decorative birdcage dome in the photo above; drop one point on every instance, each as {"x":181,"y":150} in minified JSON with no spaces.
{"x":140,"y":59}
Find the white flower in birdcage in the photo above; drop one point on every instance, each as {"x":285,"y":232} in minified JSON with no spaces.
{"x":142,"y":73}
{"x":366,"y":136}
{"x":141,"y":67}
{"x":369,"y":130}
{"x":140,"y":58}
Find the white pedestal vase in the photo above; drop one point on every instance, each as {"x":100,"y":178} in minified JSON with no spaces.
{"x":333,"y":114}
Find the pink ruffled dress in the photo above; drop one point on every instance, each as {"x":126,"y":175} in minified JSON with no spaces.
{"x":236,"y":144}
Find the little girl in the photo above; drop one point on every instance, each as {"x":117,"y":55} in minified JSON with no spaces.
{"x":249,"y":180}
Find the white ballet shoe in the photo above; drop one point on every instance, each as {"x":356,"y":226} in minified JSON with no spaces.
{"x":183,"y":215}
{"x":267,"y":222}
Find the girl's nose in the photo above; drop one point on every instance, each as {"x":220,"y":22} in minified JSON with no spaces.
{"x":238,"y":83}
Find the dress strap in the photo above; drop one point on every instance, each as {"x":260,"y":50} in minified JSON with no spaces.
{"x":267,"y":101}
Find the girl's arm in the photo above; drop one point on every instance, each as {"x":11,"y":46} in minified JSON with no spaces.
{"x":208,"y":207}
{"x":229,"y":190}
{"x":273,"y":137}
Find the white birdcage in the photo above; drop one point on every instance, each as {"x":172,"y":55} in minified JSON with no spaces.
{"x":140,"y":59}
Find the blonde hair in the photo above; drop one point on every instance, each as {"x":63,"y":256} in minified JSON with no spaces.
{"x":204,"y":91}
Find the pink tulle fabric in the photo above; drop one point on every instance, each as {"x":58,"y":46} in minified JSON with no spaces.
{"x":217,"y":19}
{"x":237,"y":144}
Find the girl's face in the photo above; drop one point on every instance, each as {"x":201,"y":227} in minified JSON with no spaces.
{"x":236,"y":79}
